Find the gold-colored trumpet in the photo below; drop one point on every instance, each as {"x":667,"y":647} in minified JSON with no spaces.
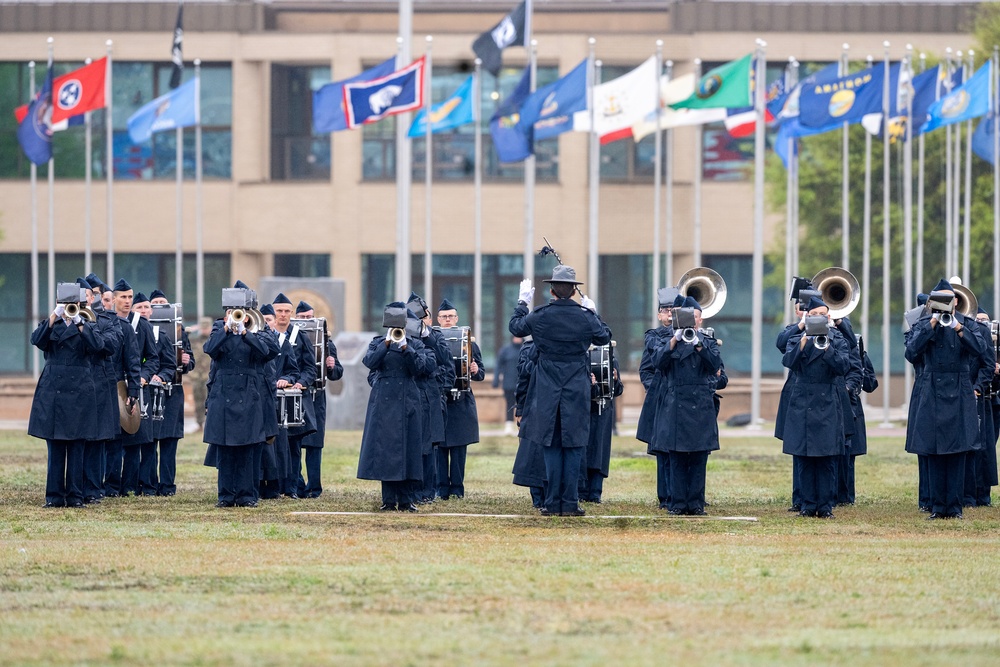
{"x":706,"y":287}
{"x":839,"y":290}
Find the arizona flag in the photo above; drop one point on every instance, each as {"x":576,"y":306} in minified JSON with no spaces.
{"x":621,"y":103}
{"x":368,"y":101}
{"x":76,"y":93}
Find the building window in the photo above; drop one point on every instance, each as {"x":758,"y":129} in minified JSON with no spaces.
{"x":297,"y":153}
{"x":454,"y":150}
{"x":302,"y":265}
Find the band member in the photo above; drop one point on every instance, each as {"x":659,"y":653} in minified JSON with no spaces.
{"x":559,"y":396}
{"x":529,"y":461}
{"x":297,"y":370}
{"x":781,"y":343}
{"x":917,"y":361}
{"x":597,"y":458}
{"x":855,"y":434}
{"x":506,"y":370}
{"x":313,"y":443}
{"x":814,"y":420}
{"x":652,"y":381}
{"x":391,"y":442}
{"x":981,"y":466}
{"x":127,"y":366}
{"x":686,"y":426}
{"x":169,"y":430}
{"x":237,"y":400}
{"x":274,"y":464}
{"x":139,"y":469}
{"x":462,"y":422}
{"x":62,"y":400}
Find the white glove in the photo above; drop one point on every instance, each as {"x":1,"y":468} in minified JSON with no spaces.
{"x":954,"y":322}
{"x":678,"y":334}
{"x":802,"y":322}
{"x":240,"y":328}
{"x":77,"y":319}
{"x":425,"y":330}
{"x":526,"y":292}
{"x":60,"y":310}
{"x":589,"y":304}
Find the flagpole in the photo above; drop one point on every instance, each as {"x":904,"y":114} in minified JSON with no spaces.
{"x":789,"y":201}
{"x":995,"y":99}
{"x":179,"y":217}
{"x":956,"y":182}
{"x":920,"y":202}
{"x":866,"y":253}
{"x":404,"y":159}
{"x":529,"y":174}
{"x":657,"y":178}
{"x":199,"y":264}
{"x":668,"y":178}
{"x":428,"y":177}
{"x":845,"y":194}
{"x":794,"y":161}
{"x":757,"y":302}
{"x":947,"y":171}
{"x":967,"y":232}
{"x":109,"y":169}
{"x":88,"y":167}
{"x":699,"y":141}
{"x":477,"y":261}
{"x":593,"y":79}
{"x":907,"y":197}
{"x":52,"y":209}
{"x":886,"y":256}
{"x":35,"y":314}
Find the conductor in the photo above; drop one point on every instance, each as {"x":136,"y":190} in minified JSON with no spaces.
{"x":559,"y":398}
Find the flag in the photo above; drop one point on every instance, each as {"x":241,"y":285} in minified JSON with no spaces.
{"x":178,"y":108}
{"x":621,"y":103}
{"x":982,"y":139}
{"x":176,"y":49}
{"x":35,"y":131}
{"x":927,"y":87}
{"x":743,"y":121}
{"x":790,"y":107}
{"x":511,"y":139}
{"x":453,"y":112}
{"x":970,"y":100}
{"x":76,"y":93}
{"x":728,"y":86}
{"x":793,"y":129}
{"x":549,"y":110}
{"x":401,"y":91}
{"x":672,"y":91}
{"x":490,"y":44}
{"x":328,"y":101}
{"x":846,"y":99}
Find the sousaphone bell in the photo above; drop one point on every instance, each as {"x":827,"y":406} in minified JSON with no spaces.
{"x":706,"y":287}
{"x":839,"y":290}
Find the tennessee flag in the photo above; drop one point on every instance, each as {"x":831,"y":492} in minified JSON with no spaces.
{"x":74,"y":94}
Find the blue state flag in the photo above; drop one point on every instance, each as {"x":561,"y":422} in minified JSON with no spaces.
{"x":846,"y":99}
{"x":970,"y":100}
{"x":927,"y":88}
{"x":369,"y":101}
{"x":982,"y":139}
{"x":791,"y":128}
{"x":35,"y":131}
{"x":178,"y":108}
{"x":453,"y":112}
{"x":328,"y":101}
{"x":511,"y":139}
{"x":549,"y":110}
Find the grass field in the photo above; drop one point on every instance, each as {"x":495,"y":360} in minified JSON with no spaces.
{"x":176,"y":581}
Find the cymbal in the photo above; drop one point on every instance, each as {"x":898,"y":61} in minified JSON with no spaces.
{"x":129,"y":420}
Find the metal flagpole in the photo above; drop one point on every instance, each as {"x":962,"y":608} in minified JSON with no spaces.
{"x":429,"y":178}
{"x":699,"y":135}
{"x":886,"y":256}
{"x":947,"y":173}
{"x":920,"y":204}
{"x":52,"y":211}
{"x":995,"y":99}
{"x":757,"y":317}
{"x":594,"y":155}
{"x":789,"y":203}
{"x":529,"y":178}
{"x":657,"y":178}
{"x":845,"y":195}
{"x":907,"y":197}
{"x":404,"y":159}
{"x":35,"y":314}
{"x":794,"y":161}
{"x":866,"y":250}
{"x":668,"y":178}
{"x":179,"y":221}
{"x":477,"y":261}
{"x":967,"y":232}
{"x":88,"y":178}
{"x":199,"y":229}
{"x":109,"y":169}
{"x":956,"y":182}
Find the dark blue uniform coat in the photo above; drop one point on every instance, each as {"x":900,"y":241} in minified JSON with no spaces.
{"x":652,"y":381}
{"x":685,"y":417}
{"x":529,"y":463}
{"x":602,"y":425}
{"x":814,"y":416}
{"x":105,"y":379}
{"x":319,"y":399}
{"x":297,"y":364}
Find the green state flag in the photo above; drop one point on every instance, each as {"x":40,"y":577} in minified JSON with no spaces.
{"x":727,"y":86}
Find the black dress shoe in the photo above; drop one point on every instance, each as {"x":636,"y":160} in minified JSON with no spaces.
{"x":934,"y":515}
{"x":579,"y":511}
{"x":925,"y":508}
{"x":824,"y":515}
{"x":91,"y":500}
{"x":225,"y":503}
{"x":293,"y":496}
{"x":698,"y":512}
{"x":112,"y":494}
{"x":807,"y":513}
{"x":956,"y":515}
{"x":408,"y":507}
{"x":55,"y":503}
{"x":74,"y":503}
{"x":675,"y":512}
{"x":795,"y":508}
{"x":312,"y":494}
{"x":387,"y":507}
{"x":544,"y":511}
{"x":247,"y":503}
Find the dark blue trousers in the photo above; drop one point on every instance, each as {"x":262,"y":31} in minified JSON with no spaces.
{"x":797,"y":481}
{"x":148,"y":481}
{"x":562,"y":472}
{"x":397,"y":493}
{"x":64,"y":474}
{"x":236,"y":482}
{"x":970,"y":477}
{"x":983,"y":479}
{"x":314,"y":464}
{"x":687,"y":481}
{"x":845,"y":479}
{"x":93,"y":469}
{"x":167,"y":467}
{"x":130,"y":470}
{"x":663,"y":479}
{"x":291,"y":485}
{"x":537,"y":495}
{"x":258,"y":456}
{"x":113,"y":451}
{"x":818,"y":479}
{"x":923,"y":482}
{"x":591,"y":484}
{"x":430,"y":484}
{"x":947,"y":482}
{"x":451,"y":471}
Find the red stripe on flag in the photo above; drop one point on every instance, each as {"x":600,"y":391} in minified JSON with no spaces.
{"x":79,"y":91}
{"x":623,"y":133}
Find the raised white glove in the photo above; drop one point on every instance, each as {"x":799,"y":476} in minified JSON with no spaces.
{"x":678,"y":335}
{"x":526,"y":292}
{"x":60,"y":310}
{"x":589,"y":304}
{"x":954,"y":322}
{"x":77,"y":319}
{"x":240,"y":328}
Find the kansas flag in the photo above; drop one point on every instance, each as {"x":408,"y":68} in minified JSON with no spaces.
{"x":368,"y":101}
{"x":550,"y":110}
{"x":970,"y":100}
{"x":512,"y":140}
{"x":453,"y":112}
{"x":178,"y":108}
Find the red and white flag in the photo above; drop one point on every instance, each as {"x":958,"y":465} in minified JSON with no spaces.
{"x":621,"y":103}
{"x":74,"y":94}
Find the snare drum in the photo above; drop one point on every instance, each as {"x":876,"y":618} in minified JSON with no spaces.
{"x":157,"y":401}
{"x":289,"y":408}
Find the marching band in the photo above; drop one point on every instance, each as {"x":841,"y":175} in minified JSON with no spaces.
{"x":110,"y":399}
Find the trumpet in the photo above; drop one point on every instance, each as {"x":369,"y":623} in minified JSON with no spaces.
{"x":821,"y":342}
{"x":74,"y":309}
{"x":395,"y":335}
{"x":248,"y":317}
